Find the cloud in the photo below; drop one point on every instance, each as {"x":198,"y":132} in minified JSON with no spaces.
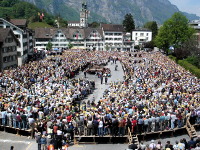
{"x":189,"y":6}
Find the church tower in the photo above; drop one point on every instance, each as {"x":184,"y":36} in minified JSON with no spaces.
{"x":84,"y":16}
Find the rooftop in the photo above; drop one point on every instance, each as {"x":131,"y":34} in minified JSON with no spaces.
{"x":113,"y":27}
{"x":18,"y":22}
{"x":141,"y":29}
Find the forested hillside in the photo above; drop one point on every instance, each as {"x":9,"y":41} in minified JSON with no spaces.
{"x":17,"y":9}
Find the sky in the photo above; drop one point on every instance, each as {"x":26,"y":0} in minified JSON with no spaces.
{"x":189,"y":6}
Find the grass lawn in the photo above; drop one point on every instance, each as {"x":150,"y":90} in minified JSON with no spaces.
{"x":38,"y":25}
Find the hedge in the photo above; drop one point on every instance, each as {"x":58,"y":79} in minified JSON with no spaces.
{"x":193,"y":69}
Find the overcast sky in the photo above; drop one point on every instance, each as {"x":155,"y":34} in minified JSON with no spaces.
{"x":189,"y":6}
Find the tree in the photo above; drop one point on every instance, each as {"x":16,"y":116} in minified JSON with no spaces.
{"x":152,"y":25}
{"x":175,"y":31}
{"x":162,"y":41}
{"x":129,"y":23}
{"x":62,"y":23}
{"x":49,"y":46}
{"x":107,"y":47}
{"x":70,"y":45}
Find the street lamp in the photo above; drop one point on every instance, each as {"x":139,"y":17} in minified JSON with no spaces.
{"x":56,"y":49}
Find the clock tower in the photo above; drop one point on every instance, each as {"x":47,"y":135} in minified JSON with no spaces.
{"x":84,"y":16}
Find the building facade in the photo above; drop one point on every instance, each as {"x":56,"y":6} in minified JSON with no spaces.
{"x":8,"y":49}
{"x":141,"y":36}
{"x":107,"y":37}
{"x":25,"y":37}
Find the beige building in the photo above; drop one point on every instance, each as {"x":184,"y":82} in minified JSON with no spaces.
{"x":8,"y":49}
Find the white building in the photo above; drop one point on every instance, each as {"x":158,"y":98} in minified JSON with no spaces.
{"x":113,"y":36}
{"x":141,"y":36}
{"x":19,"y":27}
{"x":73,"y":23}
{"x":196,"y":25}
{"x":83,"y":18}
{"x":83,"y":38}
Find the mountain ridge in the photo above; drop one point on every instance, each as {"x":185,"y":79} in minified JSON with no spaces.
{"x":113,"y":11}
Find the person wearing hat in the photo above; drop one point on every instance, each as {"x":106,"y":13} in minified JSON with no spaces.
{"x":43,"y":142}
{"x":152,"y":145}
{"x":49,"y":140}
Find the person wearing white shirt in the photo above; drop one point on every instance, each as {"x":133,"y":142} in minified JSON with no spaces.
{"x":173,"y":118}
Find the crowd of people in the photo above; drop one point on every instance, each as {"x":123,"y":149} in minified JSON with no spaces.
{"x":182,"y":144}
{"x":156,"y":94}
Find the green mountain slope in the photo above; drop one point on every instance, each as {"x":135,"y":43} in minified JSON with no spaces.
{"x":59,"y":7}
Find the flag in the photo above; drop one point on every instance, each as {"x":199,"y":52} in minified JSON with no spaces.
{"x":95,"y":36}
{"x":89,"y":13}
{"x":77,"y":36}
{"x":42,"y":14}
{"x":41,"y":17}
{"x":38,"y":14}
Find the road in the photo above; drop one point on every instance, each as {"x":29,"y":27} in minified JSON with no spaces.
{"x":100,"y":88}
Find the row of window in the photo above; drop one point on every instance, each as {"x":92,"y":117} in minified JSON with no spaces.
{"x":113,"y":44}
{"x":53,"y":44}
{"x":9,"y":40}
{"x":142,"y":39}
{"x":115,"y":34}
{"x":10,"y":67}
{"x":60,"y":35}
{"x":9,"y":58}
{"x":141,"y":34}
{"x":9,"y":49}
{"x":115,"y":39}
{"x":94,"y":44}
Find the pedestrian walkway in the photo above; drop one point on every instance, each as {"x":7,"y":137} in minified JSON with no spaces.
{"x":100,"y":88}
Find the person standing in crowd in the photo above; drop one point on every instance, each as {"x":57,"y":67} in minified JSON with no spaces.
{"x":120,"y":127}
{"x":100,"y":126}
{"x":43,"y":142}
{"x":152,"y":146}
{"x":38,"y":140}
{"x":12,"y":148}
{"x":101,"y":79}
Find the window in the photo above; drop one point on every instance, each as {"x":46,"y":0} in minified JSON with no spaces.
{"x":147,"y":34}
{"x":7,"y":40}
{"x":136,"y":38}
{"x":47,"y":35}
{"x":10,"y":40}
{"x":141,"y":34}
{"x":5,"y":50}
{"x":14,"y":29}
{"x":14,"y":57}
{"x":17,"y":36}
{"x":5,"y":59}
{"x":1,"y":26}
{"x":9,"y":58}
{"x":135,"y":34}
{"x":59,"y":32}
{"x":1,"y":22}
{"x":7,"y":26}
{"x":147,"y":38}
{"x":9,"y":49}
{"x":56,"y":35}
